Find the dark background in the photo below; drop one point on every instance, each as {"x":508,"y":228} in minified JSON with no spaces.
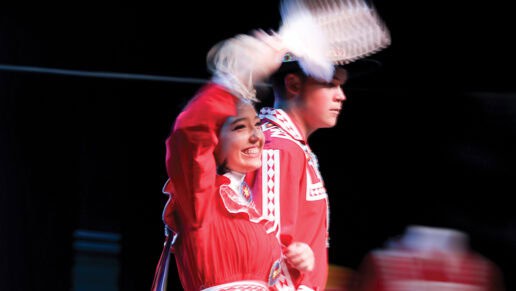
{"x":427,"y":138}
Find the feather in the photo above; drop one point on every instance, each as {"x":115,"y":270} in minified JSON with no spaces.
{"x":241,"y":62}
{"x":334,"y":31}
{"x":353,"y":27}
{"x":305,"y":39}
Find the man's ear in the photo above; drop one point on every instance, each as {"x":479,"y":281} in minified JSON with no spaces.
{"x":292,"y":84}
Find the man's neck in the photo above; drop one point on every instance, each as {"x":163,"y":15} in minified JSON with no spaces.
{"x":298,"y":120}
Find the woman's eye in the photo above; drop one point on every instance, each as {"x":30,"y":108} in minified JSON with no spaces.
{"x":238,"y":127}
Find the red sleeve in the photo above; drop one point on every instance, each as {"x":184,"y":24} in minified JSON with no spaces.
{"x":292,"y":188}
{"x":279,"y":186}
{"x":190,"y":162}
{"x":293,"y":192}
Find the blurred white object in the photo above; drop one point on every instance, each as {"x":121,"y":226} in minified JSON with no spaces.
{"x":240,"y":62}
{"x":433,"y":239}
{"x":323,"y":33}
{"x":306,"y":40}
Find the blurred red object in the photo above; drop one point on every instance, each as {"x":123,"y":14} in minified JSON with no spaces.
{"x":429,"y":259}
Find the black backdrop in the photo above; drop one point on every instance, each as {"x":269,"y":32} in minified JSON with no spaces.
{"x":426,"y":139}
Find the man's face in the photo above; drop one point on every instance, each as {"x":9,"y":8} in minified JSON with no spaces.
{"x":322,"y":102}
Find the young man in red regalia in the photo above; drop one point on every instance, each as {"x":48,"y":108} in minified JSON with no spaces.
{"x":289,"y":188}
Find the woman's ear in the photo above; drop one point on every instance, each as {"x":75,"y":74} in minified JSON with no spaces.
{"x":292,"y":84}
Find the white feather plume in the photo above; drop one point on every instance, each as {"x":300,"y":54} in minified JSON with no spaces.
{"x":304,"y":38}
{"x":353,"y":27}
{"x":338,"y":31}
{"x":240,"y":62}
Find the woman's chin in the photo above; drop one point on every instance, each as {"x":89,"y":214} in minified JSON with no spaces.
{"x":251,"y":166}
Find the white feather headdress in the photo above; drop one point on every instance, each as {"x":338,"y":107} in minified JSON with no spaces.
{"x":324,"y":33}
{"x":230,"y":62}
{"x":240,"y":62}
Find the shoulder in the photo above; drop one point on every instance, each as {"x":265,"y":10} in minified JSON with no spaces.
{"x":287,"y":148}
{"x":277,"y":139}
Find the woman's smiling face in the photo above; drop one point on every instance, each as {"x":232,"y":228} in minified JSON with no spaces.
{"x":241,"y":141}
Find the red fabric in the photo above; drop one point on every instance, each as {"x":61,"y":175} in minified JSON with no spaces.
{"x":189,"y":159}
{"x":404,"y":270}
{"x":214,"y":246}
{"x":290,"y":191}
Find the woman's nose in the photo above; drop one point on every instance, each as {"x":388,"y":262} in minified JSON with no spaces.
{"x":256,"y":135}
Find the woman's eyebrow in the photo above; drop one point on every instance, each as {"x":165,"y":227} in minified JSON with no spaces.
{"x":238,"y":120}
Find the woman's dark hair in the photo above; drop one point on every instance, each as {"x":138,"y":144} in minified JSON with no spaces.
{"x":222,"y":169}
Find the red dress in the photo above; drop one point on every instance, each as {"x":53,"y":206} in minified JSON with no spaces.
{"x":220,"y":236}
{"x":290,"y":192}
